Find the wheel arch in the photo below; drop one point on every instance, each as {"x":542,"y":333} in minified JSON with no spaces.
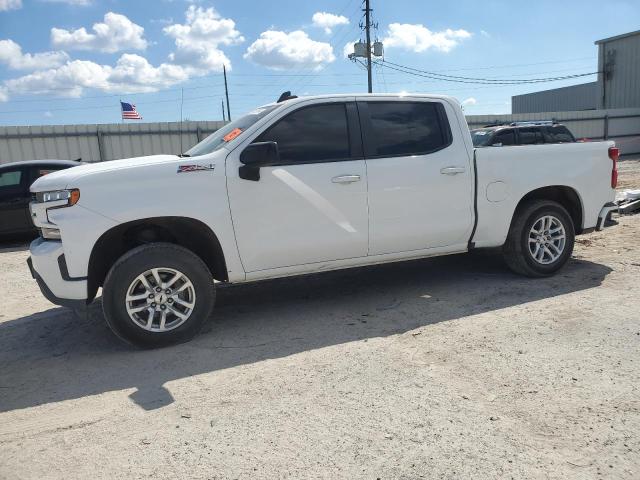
{"x":566,"y":196}
{"x":189,"y":233}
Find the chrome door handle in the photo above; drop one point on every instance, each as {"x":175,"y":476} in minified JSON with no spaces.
{"x":346,"y":179}
{"x":452,"y":170}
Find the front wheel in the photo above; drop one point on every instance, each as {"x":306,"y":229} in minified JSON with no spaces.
{"x":540,"y":240}
{"x":158,"y":294}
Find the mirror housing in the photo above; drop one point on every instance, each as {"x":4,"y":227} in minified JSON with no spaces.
{"x":256,"y":155}
{"x":261,"y":154}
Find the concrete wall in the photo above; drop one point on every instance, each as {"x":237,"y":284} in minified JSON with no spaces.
{"x":95,"y":143}
{"x":565,"y":99}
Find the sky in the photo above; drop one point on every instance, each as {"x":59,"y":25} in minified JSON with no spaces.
{"x":71,"y":61}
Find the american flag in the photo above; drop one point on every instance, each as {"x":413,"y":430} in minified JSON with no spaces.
{"x":129,"y":111}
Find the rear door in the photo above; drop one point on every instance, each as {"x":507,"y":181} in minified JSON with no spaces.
{"x":313,"y":206}
{"x":419,"y":175}
{"x":14,"y":201}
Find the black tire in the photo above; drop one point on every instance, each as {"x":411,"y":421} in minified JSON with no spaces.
{"x":139,"y":260}
{"x":516,"y":251}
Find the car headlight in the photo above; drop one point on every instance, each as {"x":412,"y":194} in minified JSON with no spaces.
{"x":59,"y":198}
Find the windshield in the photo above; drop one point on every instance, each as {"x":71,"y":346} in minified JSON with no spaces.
{"x":229,"y":132}
{"x":481,"y":137}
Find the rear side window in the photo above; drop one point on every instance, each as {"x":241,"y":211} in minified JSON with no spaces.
{"x":530,"y":136}
{"x":311,"y":134}
{"x":504,"y":137}
{"x":10,"y":179}
{"x":407,"y":128}
{"x":558,"y":134}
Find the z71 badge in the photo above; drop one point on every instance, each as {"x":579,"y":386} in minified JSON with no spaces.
{"x":195,"y":168}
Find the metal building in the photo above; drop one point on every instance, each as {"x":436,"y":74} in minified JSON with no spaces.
{"x":619,"y":64}
{"x":564,"y":99}
{"x":617,"y":85}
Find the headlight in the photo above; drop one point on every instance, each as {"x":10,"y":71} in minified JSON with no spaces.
{"x":62,"y":198}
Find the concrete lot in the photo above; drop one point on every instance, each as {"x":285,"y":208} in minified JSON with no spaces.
{"x":442,"y":368}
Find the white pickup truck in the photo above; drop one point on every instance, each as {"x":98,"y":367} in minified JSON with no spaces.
{"x":300,"y":186}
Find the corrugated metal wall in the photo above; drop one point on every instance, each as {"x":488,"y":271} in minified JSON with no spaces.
{"x":621,"y":125}
{"x":94,"y":143}
{"x":621,"y":89}
{"x":573,"y":98}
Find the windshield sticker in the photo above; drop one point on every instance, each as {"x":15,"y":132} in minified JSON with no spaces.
{"x":195,"y":168}
{"x":232,"y":134}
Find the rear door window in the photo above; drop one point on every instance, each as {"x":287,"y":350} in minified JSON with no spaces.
{"x":10,"y":179}
{"x":504,"y":137}
{"x":311,"y":134}
{"x":530,"y":136}
{"x":407,"y":128}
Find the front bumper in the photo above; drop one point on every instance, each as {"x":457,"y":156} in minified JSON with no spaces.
{"x":48,"y":266}
{"x":604,"y":218}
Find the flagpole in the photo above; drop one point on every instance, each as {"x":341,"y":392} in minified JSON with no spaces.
{"x":181,"y":105}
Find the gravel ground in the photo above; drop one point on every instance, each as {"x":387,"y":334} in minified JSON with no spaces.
{"x":442,"y":368}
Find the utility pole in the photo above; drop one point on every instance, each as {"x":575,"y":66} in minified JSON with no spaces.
{"x":367,"y":14}
{"x":226,"y":91}
{"x":222,"y":103}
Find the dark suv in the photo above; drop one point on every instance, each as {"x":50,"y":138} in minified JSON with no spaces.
{"x":521,"y":133}
{"x":15,"y":179}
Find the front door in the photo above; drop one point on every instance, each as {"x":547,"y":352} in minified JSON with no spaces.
{"x":313,"y":206}
{"x":419,"y":174}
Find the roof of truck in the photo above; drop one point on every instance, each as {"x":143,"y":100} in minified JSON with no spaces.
{"x":372,"y":95}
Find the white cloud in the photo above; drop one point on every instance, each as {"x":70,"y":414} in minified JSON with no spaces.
{"x":328,"y":21}
{"x":469,"y":101}
{"x":136,"y":71}
{"x":280,"y":51}
{"x":199,"y":38}
{"x":484,"y":33}
{"x":418,"y":38}
{"x":348,"y":49}
{"x":80,"y":3}
{"x":132,"y":73}
{"x":12,"y":56}
{"x":197,"y":53}
{"x":116,"y":33}
{"x":10,"y":5}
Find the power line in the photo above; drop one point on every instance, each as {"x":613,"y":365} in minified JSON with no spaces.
{"x":481,"y":81}
{"x":490,"y":79}
{"x":44,"y":96}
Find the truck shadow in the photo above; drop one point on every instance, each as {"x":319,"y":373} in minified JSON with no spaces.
{"x":57,"y":355}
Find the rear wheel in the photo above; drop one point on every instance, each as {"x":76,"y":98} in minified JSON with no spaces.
{"x":541,"y":239}
{"x":157,"y":295}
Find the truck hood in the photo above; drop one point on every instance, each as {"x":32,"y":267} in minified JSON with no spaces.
{"x":68,"y":177}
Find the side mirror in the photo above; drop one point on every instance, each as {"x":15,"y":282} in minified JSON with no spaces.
{"x":256,"y":155}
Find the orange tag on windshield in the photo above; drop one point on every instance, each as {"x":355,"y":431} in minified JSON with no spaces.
{"x":232,"y":134}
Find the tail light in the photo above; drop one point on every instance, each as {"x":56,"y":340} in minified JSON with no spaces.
{"x":614,"y":154}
